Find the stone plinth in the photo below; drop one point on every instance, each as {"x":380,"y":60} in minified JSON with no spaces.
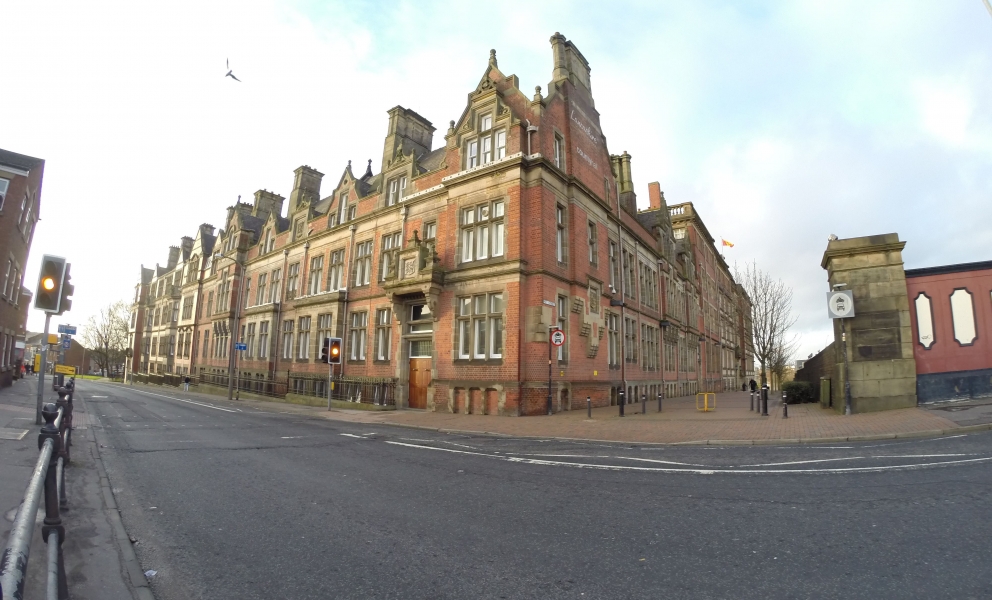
{"x":879,"y":337}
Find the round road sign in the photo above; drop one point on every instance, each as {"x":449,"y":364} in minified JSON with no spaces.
{"x":557,"y":337}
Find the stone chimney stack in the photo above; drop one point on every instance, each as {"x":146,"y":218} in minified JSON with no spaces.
{"x":186,"y":244}
{"x":570,"y":64}
{"x":268,"y":202}
{"x":655,"y":196}
{"x":206,"y":229}
{"x":626,"y":179}
{"x":408,"y":132}
{"x":306,"y":185}
{"x":173,"y":257}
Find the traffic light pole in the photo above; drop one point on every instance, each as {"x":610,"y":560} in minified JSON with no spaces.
{"x":41,"y":372}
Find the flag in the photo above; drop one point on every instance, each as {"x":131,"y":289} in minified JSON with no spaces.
{"x":726,"y":243}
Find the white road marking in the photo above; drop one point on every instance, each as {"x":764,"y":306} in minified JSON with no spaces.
{"x":97,"y":396}
{"x":353,"y":435}
{"x":291,"y":437}
{"x":561,"y":455}
{"x":802,"y":462}
{"x":923,"y":455}
{"x":554,"y":463}
{"x":654,"y":460}
{"x":186,"y":401}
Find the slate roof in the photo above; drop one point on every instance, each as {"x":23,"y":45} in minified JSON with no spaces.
{"x":432,"y":160}
{"x":19,"y":161}
{"x":321,"y":207}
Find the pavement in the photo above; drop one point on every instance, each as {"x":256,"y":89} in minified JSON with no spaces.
{"x":95,"y":565}
{"x":732,"y":422}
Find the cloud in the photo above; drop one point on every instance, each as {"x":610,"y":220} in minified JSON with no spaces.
{"x":783,"y":122}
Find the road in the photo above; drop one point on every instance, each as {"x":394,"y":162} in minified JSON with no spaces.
{"x":243,"y":500}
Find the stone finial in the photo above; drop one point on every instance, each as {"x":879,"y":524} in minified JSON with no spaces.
{"x":451,"y":128}
{"x":492,"y":57}
{"x":368,"y":170}
{"x":537,"y":94}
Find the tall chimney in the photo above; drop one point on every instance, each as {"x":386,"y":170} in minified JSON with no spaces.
{"x":654,"y":195}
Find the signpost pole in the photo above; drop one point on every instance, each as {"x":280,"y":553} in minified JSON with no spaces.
{"x":550,"y":348}
{"x":840,"y":305}
{"x":41,"y":371}
{"x":847,"y":379}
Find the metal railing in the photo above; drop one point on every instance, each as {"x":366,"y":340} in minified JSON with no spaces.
{"x":54,"y":442}
{"x":380,"y":391}
{"x":366,"y":390}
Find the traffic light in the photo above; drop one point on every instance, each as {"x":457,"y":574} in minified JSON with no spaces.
{"x":49,"y":293}
{"x":67,"y":288}
{"x":325,"y":350}
{"x":334,"y":351}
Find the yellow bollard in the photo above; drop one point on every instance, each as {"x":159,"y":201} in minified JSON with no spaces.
{"x":706,"y":406}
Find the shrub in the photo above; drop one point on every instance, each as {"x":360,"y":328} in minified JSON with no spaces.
{"x":798,"y":391}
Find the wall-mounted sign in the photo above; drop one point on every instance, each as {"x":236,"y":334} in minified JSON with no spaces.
{"x":840,"y":304}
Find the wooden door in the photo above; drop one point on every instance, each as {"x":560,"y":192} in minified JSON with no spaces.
{"x":420,"y":378}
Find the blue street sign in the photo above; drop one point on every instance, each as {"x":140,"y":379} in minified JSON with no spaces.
{"x":70,"y":329}
{"x":240,"y":346}
{"x":66,"y":344}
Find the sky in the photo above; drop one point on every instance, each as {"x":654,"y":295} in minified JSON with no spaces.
{"x":783,"y":122}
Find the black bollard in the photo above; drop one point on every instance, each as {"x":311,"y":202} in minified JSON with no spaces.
{"x":644,"y":404}
{"x":752,"y":399}
{"x":785,"y":406}
{"x":620,"y":401}
{"x":588,"y":407}
{"x":659,"y":401}
{"x":764,"y":401}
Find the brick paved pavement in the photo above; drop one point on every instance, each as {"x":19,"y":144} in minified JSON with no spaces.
{"x":680,"y":422}
{"x":732,"y":421}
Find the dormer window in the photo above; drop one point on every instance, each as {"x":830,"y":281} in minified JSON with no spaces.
{"x":397,"y":189}
{"x":270,"y":241}
{"x":489,"y":146}
{"x":343,"y":208}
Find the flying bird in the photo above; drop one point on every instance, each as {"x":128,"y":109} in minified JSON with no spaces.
{"x":230,"y":72}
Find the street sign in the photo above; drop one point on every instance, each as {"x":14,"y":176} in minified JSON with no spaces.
{"x":557,"y":337}
{"x":65,"y":369}
{"x":548,"y":303}
{"x":840,"y":304}
{"x":69,"y":329}
{"x":66,"y":344}
{"x":240,"y":346}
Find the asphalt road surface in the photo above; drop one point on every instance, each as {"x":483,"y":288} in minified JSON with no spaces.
{"x":229,"y":501}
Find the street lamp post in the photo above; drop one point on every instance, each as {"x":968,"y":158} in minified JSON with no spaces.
{"x":232,"y":360}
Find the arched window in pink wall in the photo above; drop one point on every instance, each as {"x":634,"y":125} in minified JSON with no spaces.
{"x":963,"y":316}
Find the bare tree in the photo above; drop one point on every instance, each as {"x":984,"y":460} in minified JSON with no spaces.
{"x":106,"y":335}
{"x":771,"y":303}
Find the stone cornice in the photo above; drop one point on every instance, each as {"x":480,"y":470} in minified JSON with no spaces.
{"x":856,"y":250}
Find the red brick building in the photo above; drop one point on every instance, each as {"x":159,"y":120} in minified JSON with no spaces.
{"x":951,"y":311}
{"x":20,"y":200}
{"x":445,"y":270}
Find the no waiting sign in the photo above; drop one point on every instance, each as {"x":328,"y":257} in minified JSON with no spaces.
{"x":557,"y":337}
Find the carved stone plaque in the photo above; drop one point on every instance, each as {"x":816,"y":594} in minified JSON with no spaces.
{"x":409,"y":267}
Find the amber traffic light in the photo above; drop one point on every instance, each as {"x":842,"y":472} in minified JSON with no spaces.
{"x":49,"y":293}
{"x":334,"y":351}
